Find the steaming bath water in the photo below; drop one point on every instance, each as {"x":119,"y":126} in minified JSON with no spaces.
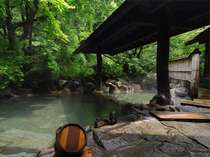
{"x":29,"y":124}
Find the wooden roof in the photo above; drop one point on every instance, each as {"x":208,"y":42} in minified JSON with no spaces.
{"x":136,"y":23}
{"x":203,"y":37}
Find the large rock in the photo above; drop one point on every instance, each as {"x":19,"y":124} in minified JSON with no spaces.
{"x":174,"y":83}
{"x":74,"y":85}
{"x":89,"y":88}
{"x":181,"y":92}
{"x":149,"y":82}
{"x":113,"y":88}
{"x":62,"y":83}
{"x":122,"y":86}
{"x":6,"y":94}
{"x":65,"y":92}
{"x":160,"y":100}
{"x":137,"y":87}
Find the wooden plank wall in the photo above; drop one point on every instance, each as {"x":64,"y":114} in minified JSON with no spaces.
{"x":187,"y":69}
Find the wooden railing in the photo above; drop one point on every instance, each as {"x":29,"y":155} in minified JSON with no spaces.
{"x":187,"y":69}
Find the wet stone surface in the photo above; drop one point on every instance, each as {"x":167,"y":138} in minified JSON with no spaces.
{"x":151,"y":138}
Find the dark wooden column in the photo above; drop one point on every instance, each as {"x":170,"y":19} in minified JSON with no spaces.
{"x":207,"y":61}
{"x":163,"y":59}
{"x":99,"y":71}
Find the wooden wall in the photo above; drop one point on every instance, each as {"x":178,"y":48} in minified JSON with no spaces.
{"x":187,"y":69}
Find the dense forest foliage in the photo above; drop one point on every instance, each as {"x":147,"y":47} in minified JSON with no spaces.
{"x":38,"y":39}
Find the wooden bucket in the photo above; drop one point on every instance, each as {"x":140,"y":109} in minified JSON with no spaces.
{"x":71,"y":140}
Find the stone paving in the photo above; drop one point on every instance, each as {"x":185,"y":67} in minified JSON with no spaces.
{"x":149,"y":137}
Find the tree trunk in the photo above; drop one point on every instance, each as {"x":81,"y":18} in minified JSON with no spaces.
{"x":33,"y":12}
{"x":30,"y":33}
{"x":99,"y":72}
{"x":28,"y":21}
{"x":207,"y":61}
{"x":163,"y":60}
{"x":9,"y":26}
{"x":5,"y":31}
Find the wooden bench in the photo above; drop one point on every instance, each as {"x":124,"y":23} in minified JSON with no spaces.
{"x":182,"y":116}
{"x":197,"y":102}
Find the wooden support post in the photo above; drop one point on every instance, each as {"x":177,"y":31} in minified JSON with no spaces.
{"x":163,"y":60}
{"x":207,"y":61}
{"x":99,"y":72}
{"x":194,"y":85}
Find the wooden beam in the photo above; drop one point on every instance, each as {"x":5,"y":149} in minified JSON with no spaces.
{"x":181,"y":28}
{"x":163,"y":59}
{"x":195,"y":74}
{"x":99,"y":72}
{"x":201,"y":16}
{"x":121,"y":32}
{"x":161,"y":6}
{"x":137,"y":43}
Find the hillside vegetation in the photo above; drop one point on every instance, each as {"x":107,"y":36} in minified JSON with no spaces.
{"x":38,"y":39}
